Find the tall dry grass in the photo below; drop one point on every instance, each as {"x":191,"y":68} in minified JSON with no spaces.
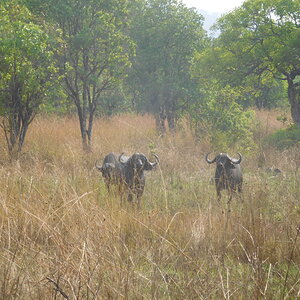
{"x":62,"y":236}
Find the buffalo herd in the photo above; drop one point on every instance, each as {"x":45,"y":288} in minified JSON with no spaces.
{"x":126,"y":173}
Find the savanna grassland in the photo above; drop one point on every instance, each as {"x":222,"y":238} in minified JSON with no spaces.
{"x":62,"y":236}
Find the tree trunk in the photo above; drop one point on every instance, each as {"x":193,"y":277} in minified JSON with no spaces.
{"x":259,"y":102}
{"x":170,"y":111}
{"x":90,"y":128}
{"x":171,"y":121}
{"x":160,"y":123}
{"x":92,"y":101}
{"x":82,"y":113}
{"x":294,"y":99}
{"x":22,"y":134}
{"x":82,"y":123}
{"x":85,"y":125}
{"x":17,"y":118}
{"x":15,"y":129}
{"x":159,"y":112}
{"x":84,"y":135}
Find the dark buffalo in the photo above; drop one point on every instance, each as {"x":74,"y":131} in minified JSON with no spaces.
{"x":110,"y":169}
{"x":132,"y":173}
{"x":228,"y":174}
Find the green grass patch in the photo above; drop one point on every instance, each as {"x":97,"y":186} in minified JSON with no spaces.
{"x":285,"y":138}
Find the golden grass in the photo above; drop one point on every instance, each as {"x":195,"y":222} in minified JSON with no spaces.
{"x":62,"y":235}
{"x":269,"y":119}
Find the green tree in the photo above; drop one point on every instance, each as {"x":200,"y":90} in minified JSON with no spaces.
{"x":95,"y":51}
{"x":259,"y":40}
{"x":166,"y":33}
{"x":221,"y":119}
{"x":26,"y":71}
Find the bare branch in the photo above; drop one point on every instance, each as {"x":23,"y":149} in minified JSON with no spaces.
{"x":58,"y":288}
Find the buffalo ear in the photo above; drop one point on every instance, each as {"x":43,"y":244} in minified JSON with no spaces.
{"x":130,"y":162}
{"x":148,"y":166}
{"x":100,"y":169}
{"x":231,"y":164}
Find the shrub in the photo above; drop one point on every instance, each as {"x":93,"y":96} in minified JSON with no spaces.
{"x":223,"y":120}
{"x":285,"y":138}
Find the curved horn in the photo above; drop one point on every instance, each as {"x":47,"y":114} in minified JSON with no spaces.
{"x":237,"y":161}
{"x":150,"y":165}
{"x":208,"y":160}
{"x":97,"y":166}
{"x":121,"y":156}
{"x":157,"y":158}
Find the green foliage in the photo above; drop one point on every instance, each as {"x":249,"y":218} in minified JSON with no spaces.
{"x":263,"y":92}
{"x":166,"y":34}
{"x":25,"y":54}
{"x":114,"y":102}
{"x":27,"y":71}
{"x":97,"y":50}
{"x":257,"y":48}
{"x":95,"y":53}
{"x":57,"y":102}
{"x":223,"y":120}
{"x":258,"y":44}
{"x":285,"y":138}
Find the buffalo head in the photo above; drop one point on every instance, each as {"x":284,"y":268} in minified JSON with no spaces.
{"x":224,"y":160}
{"x":140,"y":162}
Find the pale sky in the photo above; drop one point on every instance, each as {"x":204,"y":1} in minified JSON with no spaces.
{"x":218,"y":6}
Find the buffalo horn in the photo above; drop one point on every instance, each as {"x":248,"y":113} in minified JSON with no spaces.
{"x":208,"y":160}
{"x":121,"y":155}
{"x":237,"y":161}
{"x":157,"y":158}
{"x":97,"y":166}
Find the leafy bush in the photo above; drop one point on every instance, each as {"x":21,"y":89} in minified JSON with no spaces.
{"x":285,"y":138}
{"x":223,"y":120}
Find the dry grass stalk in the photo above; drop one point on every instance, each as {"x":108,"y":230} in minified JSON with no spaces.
{"x":57,"y":221}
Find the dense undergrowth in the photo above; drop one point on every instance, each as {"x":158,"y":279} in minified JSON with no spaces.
{"x":63,"y":236}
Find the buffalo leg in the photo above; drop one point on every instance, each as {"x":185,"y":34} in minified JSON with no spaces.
{"x":121,"y":193}
{"x":139,"y":193}
{"x":230,"y":197}
{"x":107,"y":183}
{"x":138,"y":202}
{"x":219,"y":195}
{"x":241,"y":196}
{"x":130,"y":197}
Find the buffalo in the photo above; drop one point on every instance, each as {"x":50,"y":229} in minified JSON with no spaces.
{"x":126,"y":173}
{"x":110,"y":169}
{"x":132,"y":174}
{"x":228,"y":175}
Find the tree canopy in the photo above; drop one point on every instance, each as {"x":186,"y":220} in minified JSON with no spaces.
{"x":95,"y":51}
{"x":259,"y":41}
{"x":166,"y":34}
{"x":147,"y":56}
{"x":27,"y":71}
